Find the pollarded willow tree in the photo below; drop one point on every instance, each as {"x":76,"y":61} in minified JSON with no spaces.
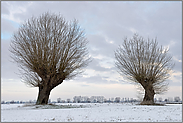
{"x":145,"y":63}
{"x":49,"y":50}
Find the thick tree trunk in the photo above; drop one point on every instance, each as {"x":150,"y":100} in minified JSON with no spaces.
{"x":149,"y":95}
{"x":44,"y":91}
{"x":43,"y":95}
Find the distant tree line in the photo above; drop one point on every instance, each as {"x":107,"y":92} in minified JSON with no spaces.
{"x":112,"y":100}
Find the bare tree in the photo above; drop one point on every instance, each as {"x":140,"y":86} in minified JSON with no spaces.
{"x":144,"y":63}
{"x":48,"y":50}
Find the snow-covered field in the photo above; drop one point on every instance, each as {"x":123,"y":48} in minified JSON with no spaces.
{"x":114,"y":112}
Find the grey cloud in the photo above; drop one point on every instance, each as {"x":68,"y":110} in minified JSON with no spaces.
{"x":4,"y":8}
{"x":69,"y":10}
{"x":95,"y":79}
{"x":9,"y":70}
{"x":84,"y":85}
{"x":172,"y":83}
{"x":102,"y":46}
{"x":96,"y":66}
{"x":100,"y":79}
{"x":8,"y":27}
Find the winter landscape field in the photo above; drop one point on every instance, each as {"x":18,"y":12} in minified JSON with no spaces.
{"x":91,"y":112}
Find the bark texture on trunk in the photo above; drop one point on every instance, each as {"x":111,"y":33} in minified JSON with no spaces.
{"x":43,"y":95}
{"x":149,"y":95}
{"x":45,"y":89}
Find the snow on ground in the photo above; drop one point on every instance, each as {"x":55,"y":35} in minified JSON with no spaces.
{"x":106,"y":112}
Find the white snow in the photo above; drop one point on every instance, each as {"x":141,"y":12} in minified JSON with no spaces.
{"x":106,"y":112}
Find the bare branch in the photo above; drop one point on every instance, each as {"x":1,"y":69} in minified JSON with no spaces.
{"x":145,"y":63}
{"x":49,"y":48}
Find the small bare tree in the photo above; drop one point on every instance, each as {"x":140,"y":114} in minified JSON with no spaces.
{"x":146,"y":64}
{"x":48,"y":50}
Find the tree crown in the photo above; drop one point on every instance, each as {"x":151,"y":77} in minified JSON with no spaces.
{"x":144,"y":62}
{"x":49,"y":47}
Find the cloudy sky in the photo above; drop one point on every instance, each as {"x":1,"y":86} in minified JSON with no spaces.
{"x":106,"y":25}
